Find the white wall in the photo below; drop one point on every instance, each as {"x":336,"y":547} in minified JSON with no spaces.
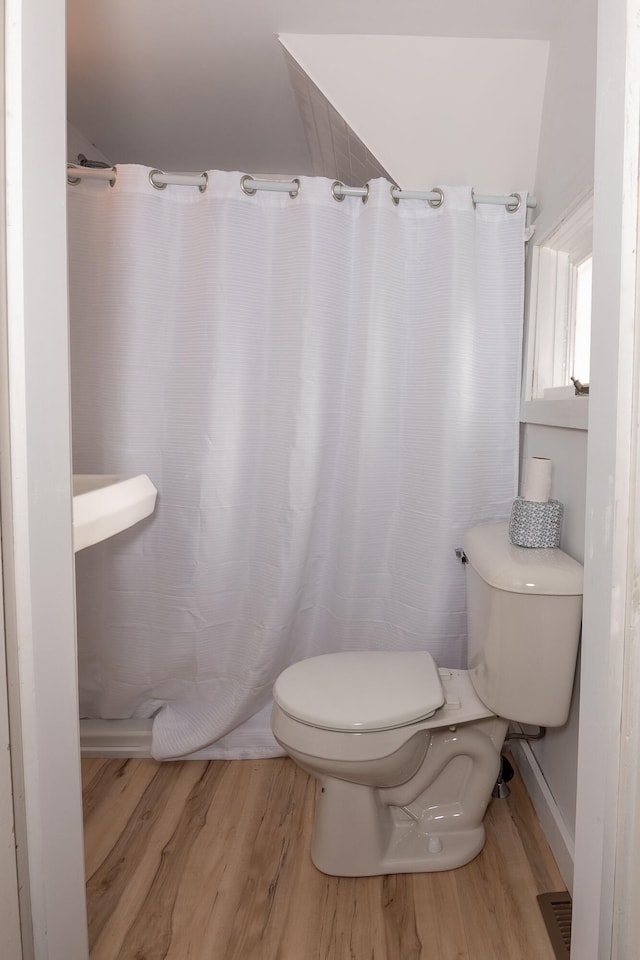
{"x":565,"y":171}
{"x":565,"y":154}
{"x":557,"y":754}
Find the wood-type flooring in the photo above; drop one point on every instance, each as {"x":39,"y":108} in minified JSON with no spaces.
{"x":201,"y":860}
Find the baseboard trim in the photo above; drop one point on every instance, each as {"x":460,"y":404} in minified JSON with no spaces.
{"x":115,"y":738}
{"x":555,"y":829}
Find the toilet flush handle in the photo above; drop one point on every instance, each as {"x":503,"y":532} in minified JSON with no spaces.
{"x":461,"y":555}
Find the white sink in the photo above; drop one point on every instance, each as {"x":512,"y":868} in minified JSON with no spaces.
{"x":103,"y":505}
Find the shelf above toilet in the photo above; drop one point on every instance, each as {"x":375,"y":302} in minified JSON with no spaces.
{"x":106,"y":504}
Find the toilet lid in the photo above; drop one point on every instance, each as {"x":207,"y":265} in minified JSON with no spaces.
{"x":372,"y":690}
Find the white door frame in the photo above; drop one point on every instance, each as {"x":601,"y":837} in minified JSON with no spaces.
{"x":9,"y":903}
{"x":36,"y":490}
{"x":626,"y":897}
{"x":9,"y":898}
{"x":607,"y":762}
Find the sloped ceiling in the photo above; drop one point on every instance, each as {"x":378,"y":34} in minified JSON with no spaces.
{"x":432,"y":110}
{"x":197,"y":84}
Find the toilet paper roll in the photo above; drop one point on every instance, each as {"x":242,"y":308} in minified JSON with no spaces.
{"x":534,"y":524}
{"x":537,"y":485}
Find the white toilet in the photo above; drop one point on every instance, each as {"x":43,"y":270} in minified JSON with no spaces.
{"x":407,"y":754}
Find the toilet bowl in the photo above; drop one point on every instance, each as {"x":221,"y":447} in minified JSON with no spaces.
{"x":407,"y":754}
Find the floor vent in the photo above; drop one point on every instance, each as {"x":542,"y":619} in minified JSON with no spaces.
{"x":556,"y":913}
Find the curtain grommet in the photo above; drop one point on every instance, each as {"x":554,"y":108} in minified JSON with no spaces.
{"x":250,"y":191}
{"x":156,"y":186}
{"x":473,"y":198}
{"x":436,"y":203}
{"x":294,"y":193}
{"x":394,"y":199}
{"x":517,"y":202}
{"x":366,"y":195}
{"x":203,"y":186}
{"x":334,"y":187}
{"x":112,"y":181}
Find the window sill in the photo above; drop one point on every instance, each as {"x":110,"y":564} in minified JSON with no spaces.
{"x":570,"y":412}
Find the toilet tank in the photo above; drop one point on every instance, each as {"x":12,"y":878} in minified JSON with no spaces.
{"x":524,"y":610}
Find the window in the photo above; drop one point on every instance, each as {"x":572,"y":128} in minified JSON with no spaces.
{"x":581,"y":342}
{"x":559,"y":322}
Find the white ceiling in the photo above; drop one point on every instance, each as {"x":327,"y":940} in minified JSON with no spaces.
{"x":200,"y":84}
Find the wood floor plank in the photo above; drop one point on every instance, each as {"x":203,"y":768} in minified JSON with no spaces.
{"x":353,"y":918}
{"x":102,"y":780}
{"x":545,"y":871}
{"x":500,"y":892}
{"x":439,"y":914}
{"x":150,"y":934}
{"x":259,"y":848}
{"x":89,"y":766}
{"x":210,"y":860}
{"x":401,"y":917}
{"x":118,"y":887}
{"x":117,"y":787}
{"x":260,"y":882}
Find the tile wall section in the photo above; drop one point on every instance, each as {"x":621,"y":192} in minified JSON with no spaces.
{"x":336,"y":151}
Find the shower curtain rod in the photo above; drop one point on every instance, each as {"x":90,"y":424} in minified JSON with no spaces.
{"x":159,"y":179}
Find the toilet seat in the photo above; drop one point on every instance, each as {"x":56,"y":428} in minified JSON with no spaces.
{"x":363,"y":691}
{"x":462,"y":705}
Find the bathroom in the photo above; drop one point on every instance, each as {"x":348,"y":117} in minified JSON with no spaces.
{"x":565,"y":173}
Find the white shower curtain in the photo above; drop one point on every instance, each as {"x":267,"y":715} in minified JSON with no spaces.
{"x":325,"y":395}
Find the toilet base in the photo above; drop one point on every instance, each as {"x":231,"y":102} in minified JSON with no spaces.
{"x":433,"y":821}
{"x":410,"y":851}
{"x":357,"y":835}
